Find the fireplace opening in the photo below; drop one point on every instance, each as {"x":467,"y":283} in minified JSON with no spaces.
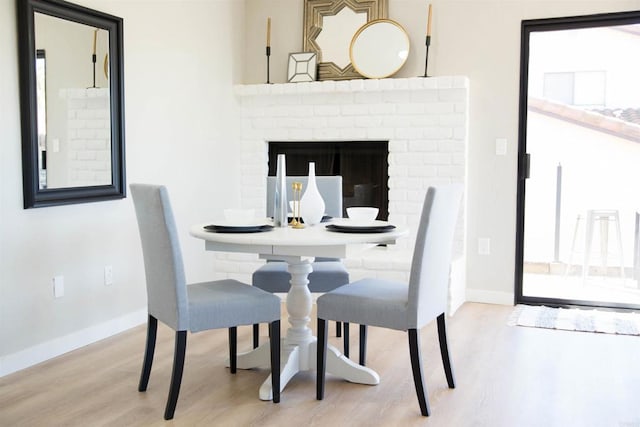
{"x":363,"y":166}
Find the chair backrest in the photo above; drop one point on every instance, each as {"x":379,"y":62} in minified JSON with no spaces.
{"x":430,"y":267}
{"x":330,"y":188}
{"x":164,"y":269}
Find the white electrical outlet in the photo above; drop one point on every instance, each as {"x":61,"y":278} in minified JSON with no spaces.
{"x":108,"y":275}
{"x":58,"y":286}
{"x":484,"y":246}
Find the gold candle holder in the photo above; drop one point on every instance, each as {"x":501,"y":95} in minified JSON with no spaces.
{"x":297,"y":192}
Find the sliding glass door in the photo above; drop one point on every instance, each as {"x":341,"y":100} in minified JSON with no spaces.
{"x":579,"y":162}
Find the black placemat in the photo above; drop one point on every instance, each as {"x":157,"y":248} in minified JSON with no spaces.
{"x":352,"y":229}
{"x":238,"y":229}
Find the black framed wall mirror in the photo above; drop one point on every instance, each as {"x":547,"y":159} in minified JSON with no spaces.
{"x":72,"y":103}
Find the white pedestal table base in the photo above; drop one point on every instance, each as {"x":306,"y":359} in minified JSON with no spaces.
{"x":299,"y":347}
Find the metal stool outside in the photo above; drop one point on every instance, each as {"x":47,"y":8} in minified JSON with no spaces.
{"x":603,"y":217}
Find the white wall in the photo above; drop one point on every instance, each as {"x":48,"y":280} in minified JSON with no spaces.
{"x":181,"y":61}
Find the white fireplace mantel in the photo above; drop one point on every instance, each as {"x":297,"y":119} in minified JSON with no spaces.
{"x":354,"y":86}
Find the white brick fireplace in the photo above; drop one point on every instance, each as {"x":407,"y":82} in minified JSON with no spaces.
{"x":425,"y":121}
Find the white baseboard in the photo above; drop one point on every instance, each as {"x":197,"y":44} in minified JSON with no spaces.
{"x":489,"y":297}
{"x":39,"y":353}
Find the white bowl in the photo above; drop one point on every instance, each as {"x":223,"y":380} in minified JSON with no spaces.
{"x":362,"y":214}
{"x":240,"y":216}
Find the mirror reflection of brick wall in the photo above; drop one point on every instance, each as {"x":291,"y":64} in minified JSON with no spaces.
{"x":88,"y":137}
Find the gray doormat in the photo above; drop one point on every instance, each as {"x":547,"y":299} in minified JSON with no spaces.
{"x":574,"y":319}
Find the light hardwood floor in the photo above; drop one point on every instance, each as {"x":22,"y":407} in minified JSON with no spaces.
{"x":506,"y":376}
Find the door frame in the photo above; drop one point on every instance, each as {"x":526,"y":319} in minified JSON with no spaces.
{"x":528,"y":27}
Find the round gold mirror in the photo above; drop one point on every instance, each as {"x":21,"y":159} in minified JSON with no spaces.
{"x":379,"y":49}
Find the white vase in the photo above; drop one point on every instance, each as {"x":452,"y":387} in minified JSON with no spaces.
{"x":312,"y":204}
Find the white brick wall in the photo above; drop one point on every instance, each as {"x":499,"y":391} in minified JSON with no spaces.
{"x":89,"y":135}
{"x":424,"y":119}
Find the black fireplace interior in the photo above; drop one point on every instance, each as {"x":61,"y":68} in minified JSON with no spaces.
{"x":363,"y":166}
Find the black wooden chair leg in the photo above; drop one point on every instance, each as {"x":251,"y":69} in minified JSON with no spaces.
{"x":444,"y":351}
{"x":345,"y":330}
{"x":233,"y":348}
{"x":416,"y":366}
{"x":176,"y":375}
{"x":338,"y":329}
{"x":274,"y":342}
{"x":321,"y":358}
{"x":256,"y":335}
{"x":363,"y":344}
{"x":152,"y":328}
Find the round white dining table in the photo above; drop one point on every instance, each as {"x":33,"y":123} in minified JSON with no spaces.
{"x":297,"y":247}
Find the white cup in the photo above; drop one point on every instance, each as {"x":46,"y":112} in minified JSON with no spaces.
{"x":362,"y":214}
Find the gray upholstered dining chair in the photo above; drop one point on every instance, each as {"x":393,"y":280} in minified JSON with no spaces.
{"x":328,"y":273}
{"x":401,"y":306}
{"x":196,"y":307}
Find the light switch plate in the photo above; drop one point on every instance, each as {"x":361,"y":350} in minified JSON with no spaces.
{"x":58,"y":286}
{"x":501,"y":146}
{"x":108,"y":275}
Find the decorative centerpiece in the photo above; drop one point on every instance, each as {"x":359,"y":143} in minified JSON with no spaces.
{"x":296,"y":222}
{"x":312,"y":203}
